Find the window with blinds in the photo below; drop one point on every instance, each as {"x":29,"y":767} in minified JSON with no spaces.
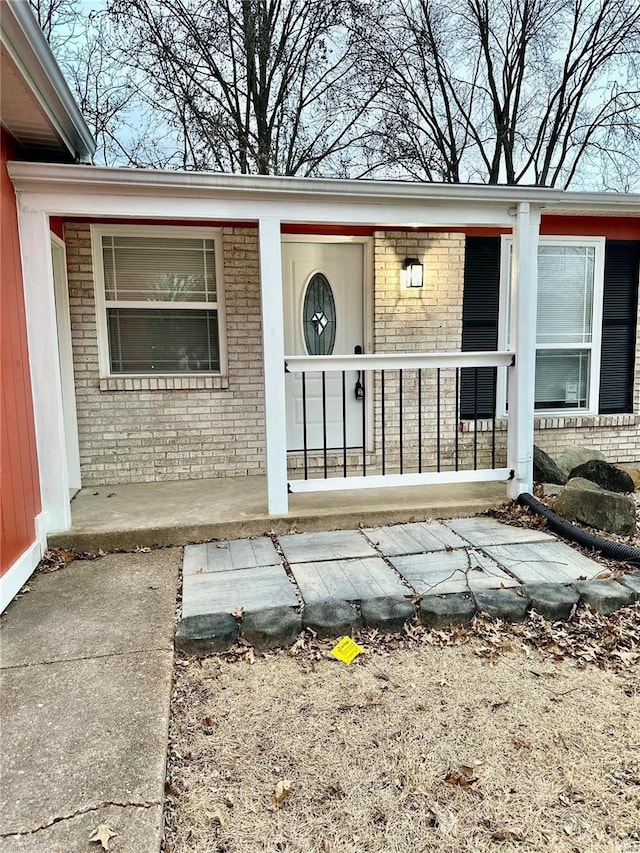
{"x":161,"y":303}
{"x":569,"y":306}
{"x":564,"y":326}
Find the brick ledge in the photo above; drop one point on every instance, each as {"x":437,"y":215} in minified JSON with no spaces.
{"x":164,"y":383}
{"x":561,"y":422}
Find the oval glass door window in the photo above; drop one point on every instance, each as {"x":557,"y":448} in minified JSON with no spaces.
{"x":319,"y":316}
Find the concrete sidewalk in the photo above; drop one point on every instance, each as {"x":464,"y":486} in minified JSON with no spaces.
{"x":86,"y":665}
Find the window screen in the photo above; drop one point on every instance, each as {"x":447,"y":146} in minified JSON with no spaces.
{"x":161,"y":304}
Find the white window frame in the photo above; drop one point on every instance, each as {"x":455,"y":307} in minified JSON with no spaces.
{"x":598,"y":243}
{"x":169,"y":231}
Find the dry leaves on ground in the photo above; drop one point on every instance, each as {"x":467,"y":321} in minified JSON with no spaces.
{"x":521,"y":516}
{"x":102,"y":835}
{"x":282,"y":791}
{"x":497,"y":737}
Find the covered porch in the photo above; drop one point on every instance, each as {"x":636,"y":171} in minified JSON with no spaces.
{"x":328,"y":477}
{"x":144,"y":515}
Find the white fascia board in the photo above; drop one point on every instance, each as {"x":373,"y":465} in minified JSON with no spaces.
{"x":230,"y":207}
{"x":155,"y":181}
{"x":77,"y":180}
{"x":24,"y":41}
{"x":617,"y":204}
{"x":99,"y":191}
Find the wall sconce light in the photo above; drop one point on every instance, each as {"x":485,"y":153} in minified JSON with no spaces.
{"x":412,"y":273}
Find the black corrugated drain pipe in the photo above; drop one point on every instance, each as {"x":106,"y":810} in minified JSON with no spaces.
{"x":614,"y":550}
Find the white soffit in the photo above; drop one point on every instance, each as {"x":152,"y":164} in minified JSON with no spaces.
{"x":21,"y":112}
{"x":37,"y":107}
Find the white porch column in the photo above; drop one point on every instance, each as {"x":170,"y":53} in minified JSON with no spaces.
{"x":524,"y":301}
{"x":273,"y":355}
{"x":40,"y":305}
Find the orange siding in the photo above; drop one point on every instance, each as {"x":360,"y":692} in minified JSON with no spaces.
{"x":612,"y":227}
{"x":20,"y":490}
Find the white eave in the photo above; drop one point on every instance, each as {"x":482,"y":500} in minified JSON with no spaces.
{"x":38,"y":108}
{"x":36,"y":177}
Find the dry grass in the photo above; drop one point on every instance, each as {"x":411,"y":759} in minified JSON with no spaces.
{"x":554,"y":744}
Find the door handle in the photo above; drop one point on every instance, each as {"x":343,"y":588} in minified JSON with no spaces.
{"x":359,"y":389}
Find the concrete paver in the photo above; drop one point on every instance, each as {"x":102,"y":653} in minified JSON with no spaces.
{"x":447,"y":572}
{"x":504,"y":604}
{"x":632,"y":582}
{"x":413,"y":538}
{"x":552,"y":600}
{"x":605,"y":596}
{"x":347,"y":580}
{"x":327,"y":545}
{"x":388,"y":614}
{"x":544,"y":562}
{"x":486,"y":531}
{"x":224,"y":592}
{"x":271,"y":627}
{"x":435,"y":559}
{"x":439,"y":611}
{"x":228,"y":555}
{"x":331,"y":618}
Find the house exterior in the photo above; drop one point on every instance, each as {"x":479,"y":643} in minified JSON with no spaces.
{"x":331,"y":334}
{"x":39,"y":121}
{"x":188,"y":335}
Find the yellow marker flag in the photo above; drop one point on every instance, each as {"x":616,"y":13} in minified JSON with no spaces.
{"x":346,"y":650}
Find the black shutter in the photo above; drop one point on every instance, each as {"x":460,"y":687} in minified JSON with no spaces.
{"x":480,"y":304}
{"x":619,"y":320}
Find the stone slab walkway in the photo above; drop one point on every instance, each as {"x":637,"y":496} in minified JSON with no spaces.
{"x":85,"y":679}
{"x":337,"y":581}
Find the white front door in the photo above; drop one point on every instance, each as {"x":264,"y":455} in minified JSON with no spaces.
{"x":323,"y":315}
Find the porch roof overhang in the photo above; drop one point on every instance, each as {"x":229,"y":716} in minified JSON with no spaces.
{"x":38,"y":108}
{"x":123,"y":192}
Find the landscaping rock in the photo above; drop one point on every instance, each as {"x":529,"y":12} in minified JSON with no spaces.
{"x":632,"y":582}
{"x":271,"y":627}
{"x":604,"y":475}
{"x":634,"y":473}
{"x":545,"y":469}
{"x":439,"y":611}
{"x":331,"y":618}
{"x":551,"y":490}
{"x":502,"y":604}
{"x":604,"y":596}
{"x":206,"y":634}
{"x":552,"y":600}
{"x":582,"y":500}
{"x":571,"y":457}
{"x":387,"y":614}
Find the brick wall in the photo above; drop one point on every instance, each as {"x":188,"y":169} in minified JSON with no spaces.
{"x":423,"y":319}
{"x":617,"y":436}
{"x":193,"y":427}
{"x":429,"y":319}
{"x":156,"y":429}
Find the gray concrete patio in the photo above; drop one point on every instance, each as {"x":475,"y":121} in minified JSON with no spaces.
{"x":338,"y":581}
{"x":182,"y":511}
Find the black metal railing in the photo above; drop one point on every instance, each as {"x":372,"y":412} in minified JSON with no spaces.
{"x":404,"y":419}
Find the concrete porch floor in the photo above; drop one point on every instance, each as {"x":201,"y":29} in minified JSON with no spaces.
{"x":184,"y":511}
